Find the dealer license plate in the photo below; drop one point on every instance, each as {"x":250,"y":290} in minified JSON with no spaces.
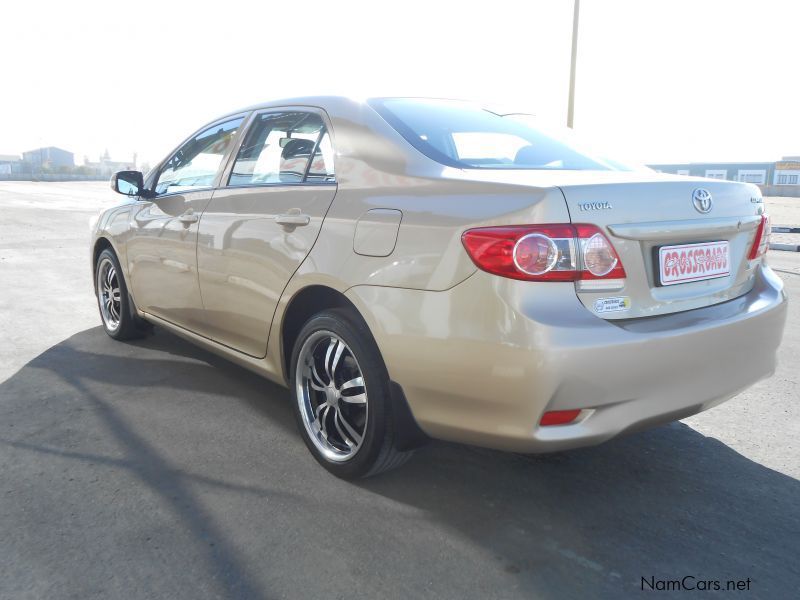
{"x":693,"y":262}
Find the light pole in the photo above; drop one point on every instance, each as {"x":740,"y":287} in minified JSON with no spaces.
{"x":571,"y":104}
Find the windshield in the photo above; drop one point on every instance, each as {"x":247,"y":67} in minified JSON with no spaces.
{"x":460,"y":134}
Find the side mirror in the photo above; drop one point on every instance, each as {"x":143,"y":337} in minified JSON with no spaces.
{"x":129,"y":183}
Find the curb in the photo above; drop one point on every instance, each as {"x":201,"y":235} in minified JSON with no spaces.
{"x":786,"y":247}
{"x":785,"y":229}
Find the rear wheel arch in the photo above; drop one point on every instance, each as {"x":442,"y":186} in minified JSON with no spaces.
{"x":315,"y":299}
{"x":305,"y":304}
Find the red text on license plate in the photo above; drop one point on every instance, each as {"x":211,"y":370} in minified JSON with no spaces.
{"x":693,"y":262}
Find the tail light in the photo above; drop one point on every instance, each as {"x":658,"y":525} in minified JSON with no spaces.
{"x":761,"y":241}
{"x":561,"y":252}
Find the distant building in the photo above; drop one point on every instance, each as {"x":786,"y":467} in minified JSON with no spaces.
{"x":48,"y":158}
{"x":787,"y":171}
{"x":9,"y":163}
{"x":759,"y":172}
{"x":782,"y":172}
{"x":107,"y":166}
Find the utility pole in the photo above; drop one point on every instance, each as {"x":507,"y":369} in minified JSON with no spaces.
{"x":571,"y":105}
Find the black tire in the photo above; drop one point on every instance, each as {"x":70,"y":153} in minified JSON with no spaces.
{"x":377,"y":451}
{"x":128,"y":326}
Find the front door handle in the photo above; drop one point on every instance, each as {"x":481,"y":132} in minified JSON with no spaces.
{"x":188,"y":217}
{"x":293,"y":219}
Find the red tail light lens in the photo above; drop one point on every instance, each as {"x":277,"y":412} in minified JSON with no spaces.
{"x":560,"y":252}
{"x":761,"y":241}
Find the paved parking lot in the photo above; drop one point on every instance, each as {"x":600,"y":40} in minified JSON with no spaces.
{"x":155,"y":470}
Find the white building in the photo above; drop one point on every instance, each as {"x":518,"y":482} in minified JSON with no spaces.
{"x":787,"y":171}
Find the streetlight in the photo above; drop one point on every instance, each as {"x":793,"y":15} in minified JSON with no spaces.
{"x":571,"y":104}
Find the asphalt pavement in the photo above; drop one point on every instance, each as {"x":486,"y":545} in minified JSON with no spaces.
{"x":153,"y":469}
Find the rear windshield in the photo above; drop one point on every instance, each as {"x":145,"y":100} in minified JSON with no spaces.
{"x":460,"y":134}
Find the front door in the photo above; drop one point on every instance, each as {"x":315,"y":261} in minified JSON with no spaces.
{"x":258,"y":229}
{"x":162,"y":249}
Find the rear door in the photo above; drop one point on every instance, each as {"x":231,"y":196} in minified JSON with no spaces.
{"x":262,"y":222}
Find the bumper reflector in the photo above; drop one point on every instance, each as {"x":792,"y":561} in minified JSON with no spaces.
{"x":559,"y":417}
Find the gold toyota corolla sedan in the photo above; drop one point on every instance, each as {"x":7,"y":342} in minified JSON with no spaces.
{"x":416,"y":268}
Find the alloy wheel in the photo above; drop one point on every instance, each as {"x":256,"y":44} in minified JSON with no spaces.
{"x":108,"y":294}
{"x":332,"y":396}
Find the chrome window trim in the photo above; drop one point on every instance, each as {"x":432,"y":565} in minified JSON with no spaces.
{"x":153,"y":180}
{"x":245,"y":128}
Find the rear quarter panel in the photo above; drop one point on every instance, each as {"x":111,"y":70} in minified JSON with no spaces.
{"x":428,"y":254}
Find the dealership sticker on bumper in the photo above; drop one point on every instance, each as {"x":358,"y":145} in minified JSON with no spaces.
{"x":604,"y":305}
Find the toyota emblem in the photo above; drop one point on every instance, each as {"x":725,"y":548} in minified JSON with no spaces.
{"x":701,"y":198}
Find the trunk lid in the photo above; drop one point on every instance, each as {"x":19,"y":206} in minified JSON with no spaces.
{"x":640,"y":217}
{"x":640,"y":212}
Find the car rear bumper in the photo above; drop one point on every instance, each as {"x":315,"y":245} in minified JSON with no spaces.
{"x":480,"y":363}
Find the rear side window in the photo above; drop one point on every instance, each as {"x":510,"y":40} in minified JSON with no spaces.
{"x":279,"y":147}
{"x":460,"y":134}
{"x":196,"y":163}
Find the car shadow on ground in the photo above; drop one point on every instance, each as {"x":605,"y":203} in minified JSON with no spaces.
{"x":666,"y":503}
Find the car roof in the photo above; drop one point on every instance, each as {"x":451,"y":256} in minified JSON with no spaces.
{"x":327,"y":101}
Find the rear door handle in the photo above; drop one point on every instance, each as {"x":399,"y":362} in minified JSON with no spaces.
{"x":188,"y":217}
{"x":293,"y":219}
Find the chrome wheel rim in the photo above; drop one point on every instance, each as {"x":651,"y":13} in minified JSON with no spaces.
{"x":331,"y":396}
{"x":108,"y":294}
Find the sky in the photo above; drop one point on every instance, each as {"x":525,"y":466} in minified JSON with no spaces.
{"x":657,"y":80}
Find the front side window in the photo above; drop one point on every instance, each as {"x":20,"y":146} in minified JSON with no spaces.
{"x":195,"y":165}
{"x":278,"y":148}
{"x":460,"y":134}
